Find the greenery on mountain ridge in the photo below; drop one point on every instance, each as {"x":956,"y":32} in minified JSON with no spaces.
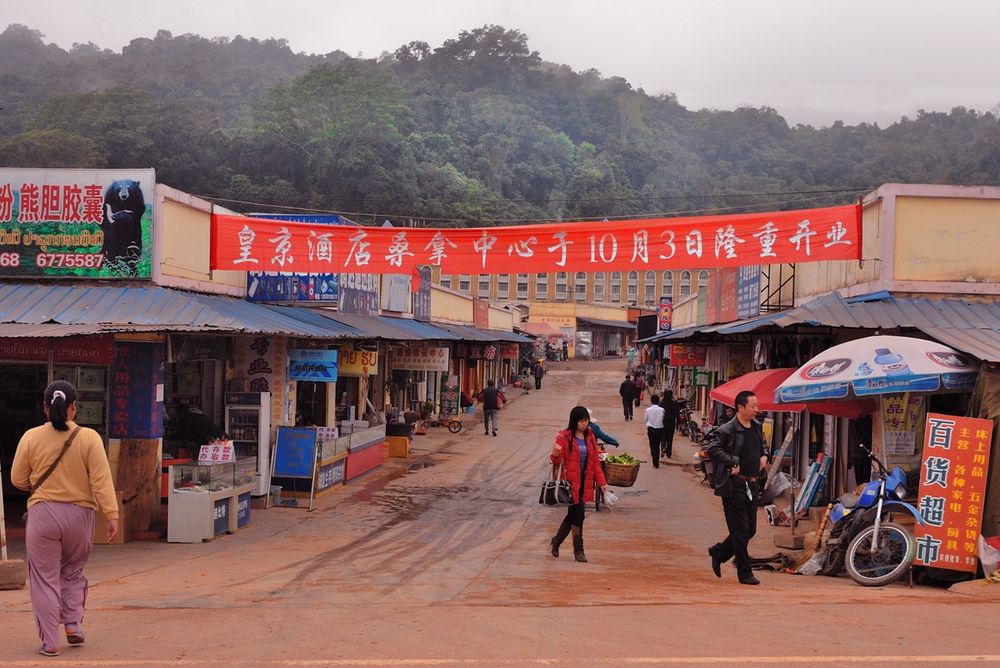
{"x":477,"y":131}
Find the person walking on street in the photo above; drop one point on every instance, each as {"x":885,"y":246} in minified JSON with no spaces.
{"x":575,"y":449}
{"x":565,"y":351}
{"x":654,"y":428}
{"x":66,"y":470}
{"x":538,"y":372}
{"x":670,"y":414}
{"x":738,"y":453}
{"x":492,"y":399}
{"x":627,"y":393}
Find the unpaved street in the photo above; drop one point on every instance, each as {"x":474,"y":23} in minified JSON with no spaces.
{"x":442,"y":559}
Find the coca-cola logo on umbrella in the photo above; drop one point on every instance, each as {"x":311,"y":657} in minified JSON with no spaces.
{"x":826,"y":368}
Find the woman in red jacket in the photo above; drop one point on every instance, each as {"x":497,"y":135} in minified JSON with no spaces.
{"x":576,"y":450}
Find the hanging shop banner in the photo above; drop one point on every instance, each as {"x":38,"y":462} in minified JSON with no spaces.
{"x":358,"y":294}
{"x":240,"y":243}
{"x":76,"y":223}
{"x":952,"y":490}
{"x":665,"y":314}
{"x":681,"y":355}
{"x":748,"y":292}
{"x":136,"y":409}
{"x":509,"y":351}
{"x":420,"y":358}
{"x":284,"y":288}
{"x":316,"y":365}
{"x":354,"y":363}
{"x":901,"y":421}
{"x":422,"y":296}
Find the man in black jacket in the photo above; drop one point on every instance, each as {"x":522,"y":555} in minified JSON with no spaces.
{"x":737,"y":451}
{"x":627,"y":392}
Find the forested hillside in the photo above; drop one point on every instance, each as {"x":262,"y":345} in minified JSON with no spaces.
{"x":477,"y":131}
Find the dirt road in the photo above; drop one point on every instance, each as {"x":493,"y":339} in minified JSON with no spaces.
{"x":441,"y":559}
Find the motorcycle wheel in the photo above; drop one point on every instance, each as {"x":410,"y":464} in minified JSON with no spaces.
{"x":895,"y":553}
{"x":455,"y":426}
{"x":833,"y":562}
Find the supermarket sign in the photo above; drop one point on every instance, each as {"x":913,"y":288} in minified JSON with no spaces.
{"x":76,"y":223}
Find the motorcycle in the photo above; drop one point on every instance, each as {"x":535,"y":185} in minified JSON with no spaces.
{"x":685,"y":424}
{"x":864,"y":539}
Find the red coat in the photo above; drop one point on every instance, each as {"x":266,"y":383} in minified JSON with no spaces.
{"x":569,"y":457}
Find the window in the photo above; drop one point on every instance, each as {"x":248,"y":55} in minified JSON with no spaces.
{"x":561,"y":286}
{"x":649,"y":289}
{"x":503,"y":286}
{"x":633,"y":287}
{"x":445,"y":281}
{"x":702,"y":279}
{"x":541,"y":287}
{"x":668,"y":284}
{"x":522,"y":287}
{"x":484,"y":286}
{"x":685,"y":283}
{"x":465,"y":283}
{"x":599,"y":286}
{"x":616,"y":286}
{"x":580,"y":286}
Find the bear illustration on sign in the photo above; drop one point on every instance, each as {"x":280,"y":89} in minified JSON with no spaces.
{"x":124,"y":207}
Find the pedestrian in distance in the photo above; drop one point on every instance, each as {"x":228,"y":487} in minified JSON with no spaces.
{"x":565,"y":351}
{"x":575,"y":449}
{"x":670,"y":413}
{"x":654,"y":428}
{"x":737,"y":450}
{"x":538,"y":372}
{"x":627,"y":393}
{"x":492,"y":399}
{"x":66,"y":470}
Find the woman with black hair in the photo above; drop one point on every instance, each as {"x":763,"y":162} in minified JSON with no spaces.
{"x":65,"y":468}
{"x":576,"y":450}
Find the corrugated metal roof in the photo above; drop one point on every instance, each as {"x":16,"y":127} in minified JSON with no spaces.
{"x":675,"y":334}
{"x":466,"y":333}
{"x":376,"y":326}
{"x":510,"y":337}
{"x":19,"y":330}
{"x":155,"y":308}
{"x":428,"y":331}
{"x":619,"y":324}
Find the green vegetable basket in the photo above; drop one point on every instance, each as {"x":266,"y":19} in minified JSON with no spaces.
{"x":621,"y":475}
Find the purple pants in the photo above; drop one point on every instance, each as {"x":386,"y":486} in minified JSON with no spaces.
{"x":58,"y":542}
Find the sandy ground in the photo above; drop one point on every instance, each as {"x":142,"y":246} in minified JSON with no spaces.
{"x":442,"y":559}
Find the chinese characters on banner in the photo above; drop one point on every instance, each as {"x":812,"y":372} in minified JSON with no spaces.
{"x":681,"y":355}
{"x":135,"y":410}
{"x":901,"y":426}
{"x":240,"y":243}
{"x":217,"y":453}
{"x":420,"y":358}
{"x":665,"y":314}
{"x":952,"y":489}
{"x":76,"y":223}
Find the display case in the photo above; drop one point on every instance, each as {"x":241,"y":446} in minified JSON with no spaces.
{"x":207,"y":500}
{"x":248,"y":423}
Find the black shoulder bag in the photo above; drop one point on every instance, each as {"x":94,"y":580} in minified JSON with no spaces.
{"x":52,"y":467}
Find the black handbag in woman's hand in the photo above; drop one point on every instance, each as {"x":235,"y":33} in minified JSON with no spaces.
{"x":555,"y":490}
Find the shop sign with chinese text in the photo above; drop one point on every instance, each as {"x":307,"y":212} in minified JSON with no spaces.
{"x":952,"y":490}
{"x":811,"y":235}
{"x":420,"y":358}
{"x":76,"y":223}
{"x":682,"y":355}
{"x":217,"y":453}
{"x":664,"y":314}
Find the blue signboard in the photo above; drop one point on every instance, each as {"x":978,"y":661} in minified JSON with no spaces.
{"x":243,"y":510}
{"x":220,"y":521}
{"x":316,"y":365}
{"x":315,"y":219}
{"x":748,"y":292}
{"x":331,"y":474}
{"x":262,"y":287}
{"x":295,"y":452}
{"x":136,"y":370}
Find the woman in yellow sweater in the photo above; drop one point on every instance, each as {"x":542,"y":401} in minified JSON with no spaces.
{"x":61,"y":509}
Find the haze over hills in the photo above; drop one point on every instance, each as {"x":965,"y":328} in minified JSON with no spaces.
{"x":476,"y":131}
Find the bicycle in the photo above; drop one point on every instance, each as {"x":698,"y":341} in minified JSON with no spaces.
{"x":454,"y":424}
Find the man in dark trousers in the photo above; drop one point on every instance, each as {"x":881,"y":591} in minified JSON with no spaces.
{"x":654,"y":428}
{"x":492,"y":399}
{"x":738,"y":454}
{"x":670,"y":414}
{"x":538,"y":372}
{"x":627,"y":392}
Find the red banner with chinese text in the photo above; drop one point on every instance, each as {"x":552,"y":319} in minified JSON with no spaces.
{"x":808,"y":235}
{"x":952,"y":490}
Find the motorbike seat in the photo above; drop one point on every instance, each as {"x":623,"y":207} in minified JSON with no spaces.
{"x":849,"y":500}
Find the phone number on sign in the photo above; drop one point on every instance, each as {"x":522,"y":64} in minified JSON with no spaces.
{"x":70,"y":260}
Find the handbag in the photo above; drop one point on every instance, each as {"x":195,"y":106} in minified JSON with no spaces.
{"x":556,"y":491}
{"x":52,"y":467}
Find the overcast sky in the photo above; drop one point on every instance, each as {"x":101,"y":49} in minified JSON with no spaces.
{"x":815,"y":61}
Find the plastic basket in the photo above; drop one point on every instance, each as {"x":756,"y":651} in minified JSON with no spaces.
{"x":621,"y":475}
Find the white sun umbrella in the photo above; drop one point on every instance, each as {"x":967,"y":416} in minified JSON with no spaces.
{"x":879,"y":365}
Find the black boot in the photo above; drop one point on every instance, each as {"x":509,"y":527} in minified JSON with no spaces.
{"x":578,"y":544}
{"x":560,"y":536}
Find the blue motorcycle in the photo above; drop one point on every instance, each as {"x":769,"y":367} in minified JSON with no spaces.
{"x":874,"y":549}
